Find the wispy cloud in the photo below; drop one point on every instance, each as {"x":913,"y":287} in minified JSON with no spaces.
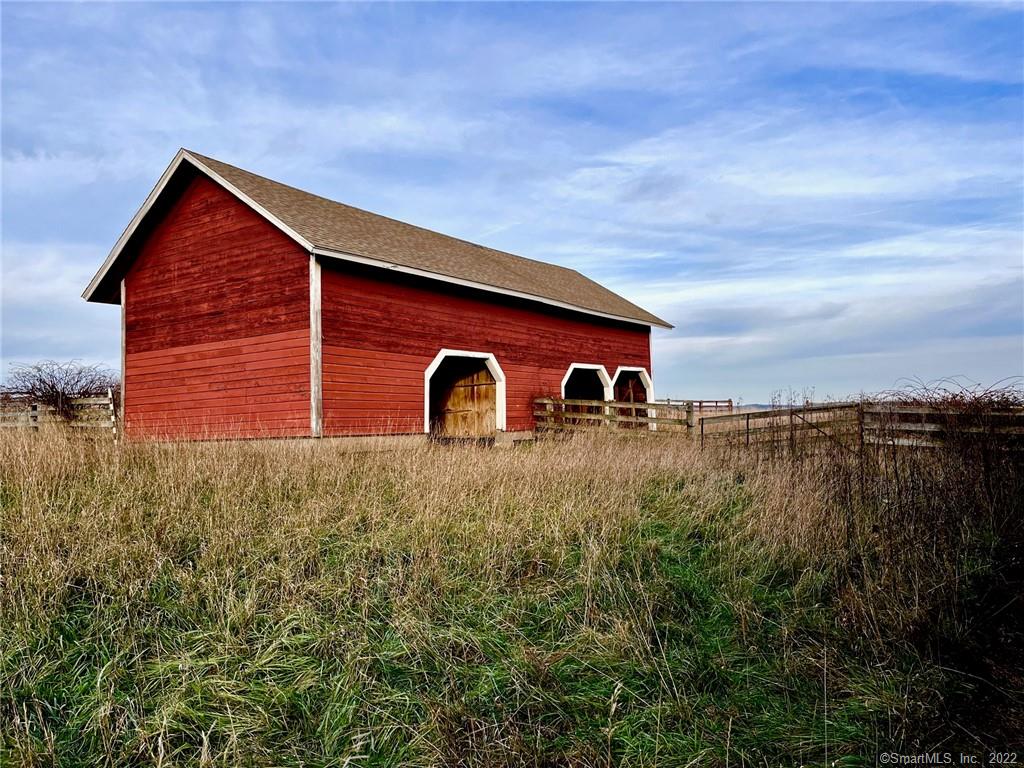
{"x":816,"y":194}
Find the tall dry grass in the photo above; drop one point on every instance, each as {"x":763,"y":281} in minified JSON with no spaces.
{"x":602,"y":600}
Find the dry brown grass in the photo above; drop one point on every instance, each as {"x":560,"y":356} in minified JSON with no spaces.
{"x":605,"y":599}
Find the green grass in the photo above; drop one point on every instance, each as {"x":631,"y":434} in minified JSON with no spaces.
{"x":381,"y":610}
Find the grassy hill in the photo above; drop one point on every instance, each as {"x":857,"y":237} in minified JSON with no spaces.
{"x":600,"y":601}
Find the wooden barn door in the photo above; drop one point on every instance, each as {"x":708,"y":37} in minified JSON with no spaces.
{"x":463,"y":399}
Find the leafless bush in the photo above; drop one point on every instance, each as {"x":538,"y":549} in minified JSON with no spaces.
{"x":58,"y":384}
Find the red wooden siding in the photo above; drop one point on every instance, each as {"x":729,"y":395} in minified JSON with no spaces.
{"x":381,"y":330}
{"x":217,"y":324}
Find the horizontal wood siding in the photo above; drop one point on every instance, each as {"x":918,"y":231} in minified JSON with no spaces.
{"x":216,"y":324}
{"x":381,"y":330}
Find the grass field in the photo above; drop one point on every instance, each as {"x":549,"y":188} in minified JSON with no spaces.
{"x":605,"y":600}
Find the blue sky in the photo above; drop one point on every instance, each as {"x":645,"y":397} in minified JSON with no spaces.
{"x":824,"y":198}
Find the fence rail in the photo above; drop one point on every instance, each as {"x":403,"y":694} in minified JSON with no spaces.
{"x":855,"y":425}
{"x":96,"y":413}
{"x":700,"y":405}
{"x":553,"y":413}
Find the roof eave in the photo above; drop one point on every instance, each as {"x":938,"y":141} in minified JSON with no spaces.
{"x":183,"y":155}
{"x":356,"y":258}
{"x":89,"y":294}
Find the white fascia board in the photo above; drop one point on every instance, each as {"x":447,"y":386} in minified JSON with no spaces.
{"x":355,"y":258}
{"x":181,"y":157}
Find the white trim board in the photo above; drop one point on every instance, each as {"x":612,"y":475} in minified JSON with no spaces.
{"x":492,"y":366}
{"x":316,"y":368}
{"x":602,"y":374}
{"x":124,"y":331}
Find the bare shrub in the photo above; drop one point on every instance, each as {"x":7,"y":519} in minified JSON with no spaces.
{"x":912,"y":532}
{"x":58,"y":384}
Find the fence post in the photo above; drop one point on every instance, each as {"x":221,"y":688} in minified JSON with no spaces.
{"x":33,"y":416}
{"x":113,"y":413}
{"x":690,"y":416}
{"x":748,"y":430}
{"x":702,"y":433}
{"x":851,"y":520}
{"x":860,"y":446}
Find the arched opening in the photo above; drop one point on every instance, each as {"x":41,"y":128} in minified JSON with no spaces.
{"x":586,"y":381}
{"x":464,"y":395}
{"x":630,"y":388}
{"x":633,"y":385}
{"x":583,"y":384}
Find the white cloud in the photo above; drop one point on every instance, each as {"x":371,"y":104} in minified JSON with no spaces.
{"x":700,"y":160}
{"x":43,"y":314}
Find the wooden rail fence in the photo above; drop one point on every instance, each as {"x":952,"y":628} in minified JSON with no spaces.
{"x":855,"y":425}
{"x":701,"y":405}
{"x":90,"y":413}
{"x":553,"y":413}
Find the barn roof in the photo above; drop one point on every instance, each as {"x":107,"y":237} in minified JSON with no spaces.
{"x":332,"y":229}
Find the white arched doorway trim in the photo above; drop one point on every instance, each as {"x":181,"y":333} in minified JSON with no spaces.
{"x":602,"y":374}
{"x":495,"y":370}
{"x":645,"y":379}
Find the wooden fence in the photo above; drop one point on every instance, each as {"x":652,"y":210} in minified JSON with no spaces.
{"x":700,"y":406}
{"x":855,"y":425}
{"x":96,"y":413}
{"x":553,"y":413}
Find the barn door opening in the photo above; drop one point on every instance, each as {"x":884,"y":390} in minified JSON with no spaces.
{"x":463,"y":398}
{"x":633,"y":385}
{"x":584,"y":384}
{"x":586,"y":381}
{"x":629,"y":388}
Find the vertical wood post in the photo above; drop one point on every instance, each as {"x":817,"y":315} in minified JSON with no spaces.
{"x":702,"y":433}
{"x":124,"y":329}
{"x":113,"y":413}
{"x":748,"y":430}
{"x":316,"y":400}
{"x":850,"y":519}
{"x":33,"y":416}
{"x":690,"y":415}
{"x":860,"y":446}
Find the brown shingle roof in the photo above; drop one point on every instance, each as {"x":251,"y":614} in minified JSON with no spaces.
{"x":331,"y":226}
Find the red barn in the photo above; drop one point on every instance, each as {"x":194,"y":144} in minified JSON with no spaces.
{"x":250,"y":308}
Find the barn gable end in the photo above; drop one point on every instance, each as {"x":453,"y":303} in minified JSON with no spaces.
{"x":216,"y":323}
